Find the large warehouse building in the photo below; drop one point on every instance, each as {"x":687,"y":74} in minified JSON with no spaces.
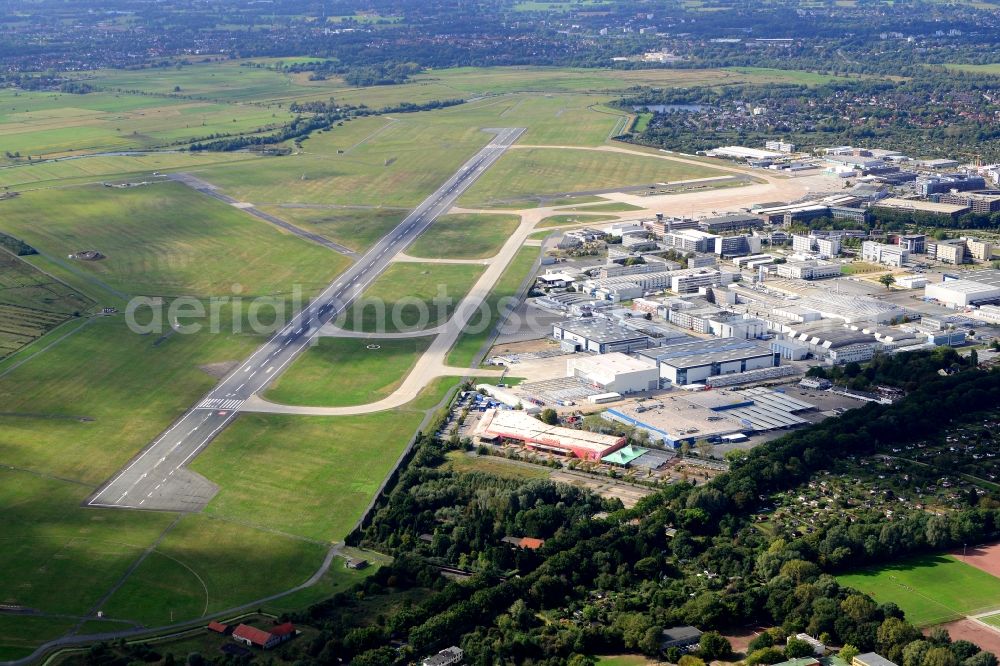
{"x":597,"y":334}
{"x":694,"y":362}
{"x":615,"y":372}
{"x":512,"y":424}
{"x":715,"y":416}
{"x":973,"y":288}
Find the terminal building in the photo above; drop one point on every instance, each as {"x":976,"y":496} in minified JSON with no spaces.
{"x":516,"y":425}
{"x":694,"y":362}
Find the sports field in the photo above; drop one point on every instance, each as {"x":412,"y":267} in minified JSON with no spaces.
{"x":347,"y":371}
{"x":411,"y":297}
{"x":167,"y":239}
{"x":464,"y":236}
{"x":930,"y":589}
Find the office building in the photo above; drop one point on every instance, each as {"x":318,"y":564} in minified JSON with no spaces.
{"x":880,"y":253}
{"x":686,"y":282}
{"x":736,"y":246}
{"x":980,"y":202}
{"x":724,"y":223}
{"x":690,"y":240}
{"x":913,"y":243}
{"x":921,"y":206}
{"x":808,"y":270}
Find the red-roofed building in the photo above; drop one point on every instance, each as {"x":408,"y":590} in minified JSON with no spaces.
{"x":219,"y":628}
{"x":264,"y":639}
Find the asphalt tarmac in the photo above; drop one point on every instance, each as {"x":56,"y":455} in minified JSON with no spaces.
{"x":157,"y":478}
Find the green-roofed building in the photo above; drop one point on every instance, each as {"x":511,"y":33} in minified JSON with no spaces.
{"x":625,"y":455}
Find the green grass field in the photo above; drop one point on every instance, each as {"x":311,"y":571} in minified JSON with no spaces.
{"x":330,"y":466}
{"x":462,"y":462}
{"x":74,"y":413}
{"x":126,"y":387}
{"x":411,"y":296}
{"x":546,"y":171}
{"x":574,"y":218}
{"x":167,"y":239}
{"x":464,"y":236}
{"x":469,"y":343}
{"x":96,"y":168}
{"x":32,"y":303}
{"x":51,"y":124}
{"x":930,"y":589}
{"x":357,"y":228}
{"x":204,"y":565}
{"x":346,"y":371}
{"x":399,"y":165}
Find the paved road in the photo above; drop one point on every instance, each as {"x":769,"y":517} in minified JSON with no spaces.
{"x":207,"y":188}
{"x":157,"y":478}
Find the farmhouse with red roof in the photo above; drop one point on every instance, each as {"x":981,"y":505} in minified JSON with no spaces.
{"x":264,"y":638}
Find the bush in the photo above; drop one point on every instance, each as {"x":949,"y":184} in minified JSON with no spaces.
{"x":798,"y":648}
{"x":713,"y":645}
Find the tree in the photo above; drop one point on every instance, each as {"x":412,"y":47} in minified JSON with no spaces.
{"x":848,"y":653}
{"x":704,"y":448}
{"x":888,"y":280}
{"x":549,"y":416}
{"x":914,"y":653}
{"x":713,"y":645}
{"x":690,"y":660}
{"x":974,"y":358}
{"x":981,"y":659}
{"x":940,"y":656}
{"x":766,"y":656}
{"x":798,"y":648}
{"x":764,"y":640}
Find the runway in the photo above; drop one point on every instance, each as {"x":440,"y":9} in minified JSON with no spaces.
{"x":157,"y":478}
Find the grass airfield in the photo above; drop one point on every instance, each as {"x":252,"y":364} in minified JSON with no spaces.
{"x":78,"y":408}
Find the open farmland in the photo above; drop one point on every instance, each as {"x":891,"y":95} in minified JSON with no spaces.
{"x":930,"y":589}
{"x":347,"y":371}
{"x":166,"y":239}
{"x":50,"y":124}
